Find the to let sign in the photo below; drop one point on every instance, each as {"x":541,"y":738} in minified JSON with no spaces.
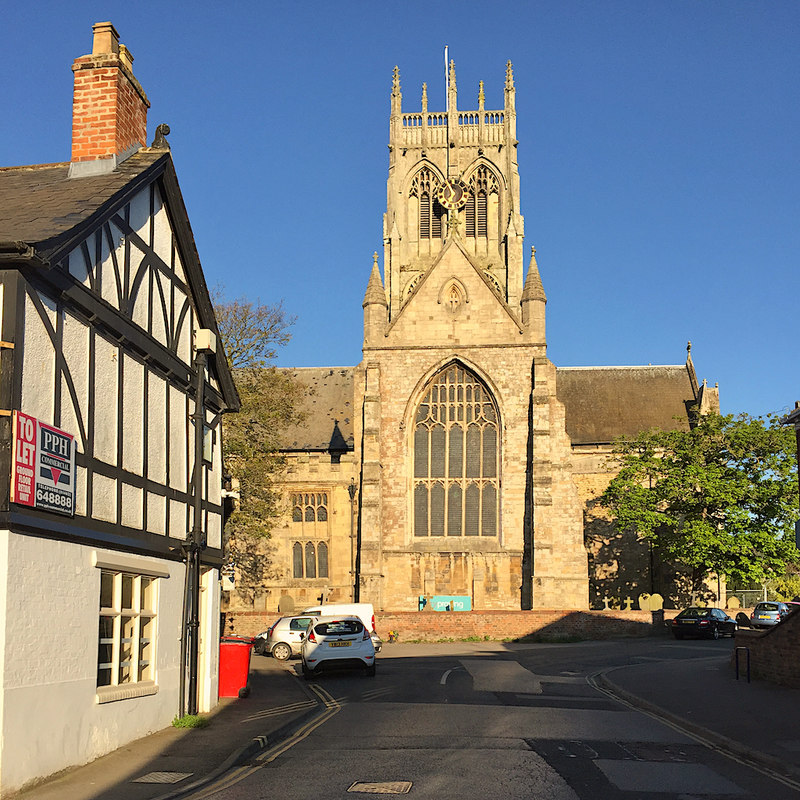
{"x":44,"y":466}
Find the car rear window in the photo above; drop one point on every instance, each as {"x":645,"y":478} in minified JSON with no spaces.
{"x":695,"y":612}
{"x":345,"y":627}
{"x":767,"y":607}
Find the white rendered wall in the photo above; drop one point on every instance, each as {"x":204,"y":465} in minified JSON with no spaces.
{"x":49,"y":715}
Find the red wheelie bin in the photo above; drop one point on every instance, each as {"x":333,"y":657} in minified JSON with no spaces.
{"x":234,"y":665}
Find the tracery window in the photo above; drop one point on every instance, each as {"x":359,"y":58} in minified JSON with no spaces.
{"x":310,"y":560}
{"x":431,"y":213}
{"x":310,"y":526}
{"x":476,"y":215}
{"x":310,"y":507}
{"x":456,"y":457}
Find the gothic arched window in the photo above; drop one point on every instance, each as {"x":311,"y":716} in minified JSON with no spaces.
{"x":297,"y":560}
{"x":476,"y":212}
{"x":431,"y":213}
{"x":456,"y":457}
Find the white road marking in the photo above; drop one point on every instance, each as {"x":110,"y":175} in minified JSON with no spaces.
{"x":509,"y":676}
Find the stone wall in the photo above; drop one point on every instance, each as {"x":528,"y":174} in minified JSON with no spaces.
{"x":490,"y":625}
{"x":774,"y":653}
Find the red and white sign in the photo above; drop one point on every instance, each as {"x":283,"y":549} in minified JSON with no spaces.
{"x":44,"y":466}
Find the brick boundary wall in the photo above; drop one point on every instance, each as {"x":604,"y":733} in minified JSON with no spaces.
{"x":774,"y":653}
{"x":432,"y":626}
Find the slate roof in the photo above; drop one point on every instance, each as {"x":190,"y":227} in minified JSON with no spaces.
{"x":603,"y":403}
{"x":328,"y":406}
{"x":41,"y":205}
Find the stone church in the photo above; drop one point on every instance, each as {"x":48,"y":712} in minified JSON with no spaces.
{"x":456,"y":460}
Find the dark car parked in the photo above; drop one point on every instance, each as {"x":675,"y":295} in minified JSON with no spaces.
{"x":707,"y":622}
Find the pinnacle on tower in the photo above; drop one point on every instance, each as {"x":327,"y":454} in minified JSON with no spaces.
{"x":509,"y":76}
{"x":533,"y":289}
{"x":375,"y":294}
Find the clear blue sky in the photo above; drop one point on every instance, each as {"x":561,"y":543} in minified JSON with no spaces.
{"x":658,"y":157}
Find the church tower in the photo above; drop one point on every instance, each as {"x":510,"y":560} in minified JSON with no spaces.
{"x":453,"y":170}
{"x":465,"y":486}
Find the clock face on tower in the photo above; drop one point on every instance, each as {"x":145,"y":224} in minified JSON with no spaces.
{"x":452,"y":194}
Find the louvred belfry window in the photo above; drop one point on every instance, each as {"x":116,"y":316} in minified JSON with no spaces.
{"x":456,"y":457}
{"x":476,"y":212}
{"x":431,"y":213}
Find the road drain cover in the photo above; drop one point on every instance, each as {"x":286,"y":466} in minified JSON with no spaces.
{"x":388,"y":787}
{"x":162,"y":777}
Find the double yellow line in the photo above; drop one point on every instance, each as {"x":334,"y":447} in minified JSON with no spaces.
{"x":330,"y":707}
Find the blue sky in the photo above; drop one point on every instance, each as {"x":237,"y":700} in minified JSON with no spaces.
{"x":658,"y":157}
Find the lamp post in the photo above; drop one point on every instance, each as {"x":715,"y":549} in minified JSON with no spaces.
{"x":205,"y":342}
{"x":351,"y":490}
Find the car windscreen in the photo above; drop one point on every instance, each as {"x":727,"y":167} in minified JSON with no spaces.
{"x":695,"y":612}
{"x":344,"y":627}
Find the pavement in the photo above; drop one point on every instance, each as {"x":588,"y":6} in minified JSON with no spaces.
{"x":753,"y":722}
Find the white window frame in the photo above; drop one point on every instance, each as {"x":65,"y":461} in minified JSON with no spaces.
{"x":122,"y":687}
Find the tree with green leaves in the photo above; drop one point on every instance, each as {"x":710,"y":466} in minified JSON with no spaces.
{"x":719,"y":498}
{"x":251,"y":333}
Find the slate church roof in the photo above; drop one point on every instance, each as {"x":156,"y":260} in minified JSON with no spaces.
{"x":328,"y":405}
{"x":603,"y":403}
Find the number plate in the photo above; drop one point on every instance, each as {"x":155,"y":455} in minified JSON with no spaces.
{"x":339,"y":644}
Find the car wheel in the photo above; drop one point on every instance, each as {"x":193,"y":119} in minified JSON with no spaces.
{"x":678,"y":634}
{"x":370,"y":671}
{"x":307,"y":673}
{"x":281,"y":651}
{"x":260,"y":647}
{"x":715,"y":633}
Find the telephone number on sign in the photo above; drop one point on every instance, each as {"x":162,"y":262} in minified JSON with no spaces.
{"x":53,"y":498}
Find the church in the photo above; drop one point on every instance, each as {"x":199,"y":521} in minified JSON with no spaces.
{"x":456,"y":461}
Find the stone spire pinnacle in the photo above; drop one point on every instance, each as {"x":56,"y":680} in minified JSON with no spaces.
{"x":375,"y":294}
{"x":452,"y":91}
{"x":424,"y":98}
{"x":533,"y":289}
{"x":509,"y":76}
{"x":510,"y":91}
{"x":481,"y":96}
{"x":397,"y":96}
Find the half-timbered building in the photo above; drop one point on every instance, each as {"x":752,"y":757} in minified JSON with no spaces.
{"x":103,"y":311}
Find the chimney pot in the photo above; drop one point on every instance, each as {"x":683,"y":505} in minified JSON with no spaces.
{"x":126,"y":57}
{"x":106,"y":39}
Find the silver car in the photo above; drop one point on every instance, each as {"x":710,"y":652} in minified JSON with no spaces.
{"x":283,"y":638}
{"x":768,"y":613}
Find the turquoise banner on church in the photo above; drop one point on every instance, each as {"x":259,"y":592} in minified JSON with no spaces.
{"x":444,"y":602}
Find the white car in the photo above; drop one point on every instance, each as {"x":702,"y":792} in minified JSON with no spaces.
{"x":283,"y":638}
{"x":364,"y":611}
{"x":333,"y":643}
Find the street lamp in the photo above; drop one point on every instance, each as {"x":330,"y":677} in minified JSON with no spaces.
{"x":351,"y":490}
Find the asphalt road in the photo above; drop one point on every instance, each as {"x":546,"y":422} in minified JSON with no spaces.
{"x":490,"y":720}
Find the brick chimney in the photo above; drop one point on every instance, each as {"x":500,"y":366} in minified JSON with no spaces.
{"x":109,"y":107}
